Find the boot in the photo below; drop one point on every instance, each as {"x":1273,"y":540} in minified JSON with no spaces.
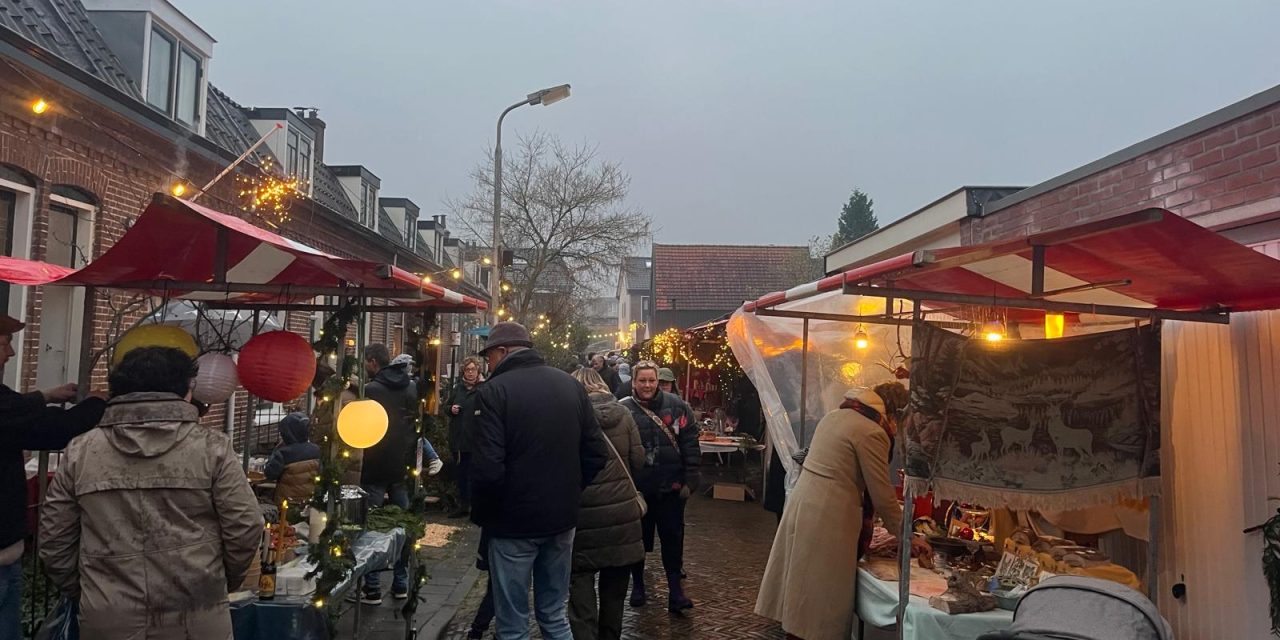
{"x":637,"y":586}
{"x":677,"y":601}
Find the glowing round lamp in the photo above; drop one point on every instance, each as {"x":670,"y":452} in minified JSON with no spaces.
{"x":860,"y":340}
{"x":362,"y":424}
{"x":217,"y":378}
{"x":154,"y":335}
{"x":277,"y":366}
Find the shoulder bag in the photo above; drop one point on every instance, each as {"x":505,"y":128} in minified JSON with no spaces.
{"x":626,"y":468}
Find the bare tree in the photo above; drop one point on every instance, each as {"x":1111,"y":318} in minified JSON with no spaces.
{"x":564,"y":212}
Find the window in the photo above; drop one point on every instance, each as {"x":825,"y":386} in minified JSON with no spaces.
{"x":304,"y":163}
{"x":644,"y":308}
{"x":8,"y":208}
{"x":173,"y":78}
{"x":368,"y":205}
{"x":188,"y":87}
{"x":410,"y":229}
{"x":291,"y":155}
{"x":159,"y":69}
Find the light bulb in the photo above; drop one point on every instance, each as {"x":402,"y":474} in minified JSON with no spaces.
{"x":426,"y":279}
{"x":39,"y":106}
{"x":860,"y":340}
{"x":178,"y":189}
{"x":993,"y":331}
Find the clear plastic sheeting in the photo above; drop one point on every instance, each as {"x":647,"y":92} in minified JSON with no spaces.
{"x":772,"y":352}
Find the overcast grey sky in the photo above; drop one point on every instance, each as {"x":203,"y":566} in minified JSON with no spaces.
{"x":747,"y":121}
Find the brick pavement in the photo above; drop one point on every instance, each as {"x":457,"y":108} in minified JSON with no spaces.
{"x":726,"y":547}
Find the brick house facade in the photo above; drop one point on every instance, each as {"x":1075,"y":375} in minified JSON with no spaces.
{"x":99,"y":152}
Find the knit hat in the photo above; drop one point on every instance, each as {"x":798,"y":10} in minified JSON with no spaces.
{"x":402,"y":360}
{"x":507,"y":334}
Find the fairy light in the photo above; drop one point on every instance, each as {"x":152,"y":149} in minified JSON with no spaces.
{"x":456,"y":274}
{"x":993,"y":331}
{"x":426,"y":279}
{"x":319,"y":603}
{"x":269,"y":194}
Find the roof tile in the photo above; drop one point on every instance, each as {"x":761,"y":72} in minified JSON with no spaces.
{"x":722,"y":277}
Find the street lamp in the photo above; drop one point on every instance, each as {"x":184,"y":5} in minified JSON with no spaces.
{"x":547,"y":96}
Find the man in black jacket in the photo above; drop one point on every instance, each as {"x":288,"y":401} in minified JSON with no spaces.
{"x":672,"y":472}
{"x":385,"y":466}
{"x":536,"y":446}
{"x":606,"y":372}
{"x":28,"y":424}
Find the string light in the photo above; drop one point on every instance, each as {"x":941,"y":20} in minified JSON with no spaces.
{"x":39,"y":107}
{"x":269,"y":194}
{"x":319,"y":603}
{"x":426,"y":279}
{"x":487,"y":261}
{"x":456,"y":273}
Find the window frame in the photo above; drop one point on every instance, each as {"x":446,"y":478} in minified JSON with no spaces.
{"x":174,"y":77}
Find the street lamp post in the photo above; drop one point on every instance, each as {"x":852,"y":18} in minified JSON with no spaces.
{"x":547,"y":96}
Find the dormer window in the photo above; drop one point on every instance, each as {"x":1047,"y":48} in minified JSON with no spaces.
{"x":298,"y":157}
{"x":369,"y":206}
{"x":174,"y":78}
{"x":410,"y":229}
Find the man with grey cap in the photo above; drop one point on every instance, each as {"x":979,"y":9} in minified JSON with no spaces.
{"x":536,"y":445}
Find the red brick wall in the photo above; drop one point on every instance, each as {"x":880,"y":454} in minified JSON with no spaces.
{"x":82,"y":144}
{"x":1234,"y":164}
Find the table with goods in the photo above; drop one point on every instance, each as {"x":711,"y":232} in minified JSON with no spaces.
{"x":970,"y":585}
{"x":278,"y":597}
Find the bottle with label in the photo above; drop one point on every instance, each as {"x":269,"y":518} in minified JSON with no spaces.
{"x":267,"y":581}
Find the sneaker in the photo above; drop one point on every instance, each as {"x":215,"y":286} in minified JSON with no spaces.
{"x":371,"y":596}
{"x":400,"y":593}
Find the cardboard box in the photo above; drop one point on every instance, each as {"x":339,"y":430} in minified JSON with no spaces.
{"x":730,"y":491}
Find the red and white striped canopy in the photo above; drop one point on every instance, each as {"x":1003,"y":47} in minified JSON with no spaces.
{"x":1151,"y":259}
{"x":173,"y":250}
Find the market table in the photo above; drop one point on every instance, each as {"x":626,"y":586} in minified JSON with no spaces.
{"x":294,"y":616}
{"x":877,"y":606}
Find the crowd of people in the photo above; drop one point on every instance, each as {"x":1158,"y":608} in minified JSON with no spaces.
{"x":569,"y":485}
{"x":572,"y":476}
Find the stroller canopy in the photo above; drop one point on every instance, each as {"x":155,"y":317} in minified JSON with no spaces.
{"x":1074,"y":608}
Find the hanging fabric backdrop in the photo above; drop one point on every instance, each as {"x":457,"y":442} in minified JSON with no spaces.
{"x":1049,"y":424}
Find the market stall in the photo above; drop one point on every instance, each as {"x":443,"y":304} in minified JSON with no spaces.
{"x":199,"y":264}
{"x":1034,"y":370}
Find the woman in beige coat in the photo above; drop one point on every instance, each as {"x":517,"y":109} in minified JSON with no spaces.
{"x":810,"y":581}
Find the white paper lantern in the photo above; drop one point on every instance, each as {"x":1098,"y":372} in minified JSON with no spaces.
{"x":217,"y":378}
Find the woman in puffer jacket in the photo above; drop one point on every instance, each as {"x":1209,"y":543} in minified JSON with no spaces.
{"x":608,"y":540}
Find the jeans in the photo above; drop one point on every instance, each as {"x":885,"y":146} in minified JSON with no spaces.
{"x":511,"y":563}
{"x":666,"y":514}
{"x":399,"y":497}
{"x":588,"y":622}
{"x":11,"y":601}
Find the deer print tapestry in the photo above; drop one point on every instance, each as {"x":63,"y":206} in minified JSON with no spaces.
{"x":1051,"y":424}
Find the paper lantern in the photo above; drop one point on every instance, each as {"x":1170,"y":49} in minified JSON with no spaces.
{"x":217,"y":378}
{"x":362,"y":423}
{"x":277,"y":366}
{"x":154,"y":335}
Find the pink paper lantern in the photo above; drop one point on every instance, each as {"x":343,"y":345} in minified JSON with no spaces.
{"x":217,"y":378}
{"x":277,"y":366}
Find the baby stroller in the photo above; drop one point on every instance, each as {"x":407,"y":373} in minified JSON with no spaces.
{"x":1074,"y":608}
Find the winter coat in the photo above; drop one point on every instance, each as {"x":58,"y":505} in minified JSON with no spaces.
{"x":462,"y":425}
{"x":609,"y":522}
{"x":388,"y":462}
{"x":624,"y":390}
{"x":27,"y":424}
{"x":295,"y":463}
{"x":811,"y":578}
{"x":674,"y":464}
{"x":150,"y":522}
{"x":536,"y":446}
{"x":610,"y":378}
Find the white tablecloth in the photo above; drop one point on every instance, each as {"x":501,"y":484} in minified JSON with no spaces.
{"x":878,"y":606}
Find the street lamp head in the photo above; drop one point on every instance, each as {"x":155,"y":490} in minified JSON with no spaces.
{"x":550,"y":95}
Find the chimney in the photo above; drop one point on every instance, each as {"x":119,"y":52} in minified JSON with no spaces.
{"x":313,"y":120}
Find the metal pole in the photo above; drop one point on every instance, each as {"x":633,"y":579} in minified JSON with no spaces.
{"x":237,"y":162}
{"x":250,"y":410}
{"x":804,"y":382}
{"x":495,"y":285}
{"x":908,"y":517}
